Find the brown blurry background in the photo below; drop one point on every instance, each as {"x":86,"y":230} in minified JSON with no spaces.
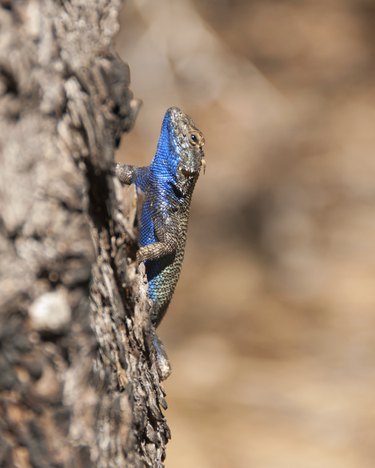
{"x":271,"y":330}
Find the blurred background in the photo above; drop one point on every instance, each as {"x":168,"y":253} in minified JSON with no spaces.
{"x":271,"y":329}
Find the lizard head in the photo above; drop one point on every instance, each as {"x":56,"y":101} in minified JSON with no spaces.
{"x":179,"y":156}
{"x":187,"y":141}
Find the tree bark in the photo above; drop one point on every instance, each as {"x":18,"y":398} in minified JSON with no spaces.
{"x":78,"y":380}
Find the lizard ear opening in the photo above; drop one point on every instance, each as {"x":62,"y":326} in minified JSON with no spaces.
{"x":177,"y":191}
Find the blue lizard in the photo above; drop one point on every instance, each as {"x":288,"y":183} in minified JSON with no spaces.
{"x":167,"y":185}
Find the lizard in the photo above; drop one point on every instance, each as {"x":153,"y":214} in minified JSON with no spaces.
{"x":166,"y":186}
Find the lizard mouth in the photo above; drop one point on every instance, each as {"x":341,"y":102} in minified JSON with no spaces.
{"x":187,"y":173}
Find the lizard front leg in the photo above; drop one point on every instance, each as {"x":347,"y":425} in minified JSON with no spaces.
{"x":126,"y":173}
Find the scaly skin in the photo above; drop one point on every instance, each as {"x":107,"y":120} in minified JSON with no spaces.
{"x":167,"y":184}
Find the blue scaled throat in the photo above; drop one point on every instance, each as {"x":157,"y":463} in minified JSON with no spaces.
{"x":167,"y":186}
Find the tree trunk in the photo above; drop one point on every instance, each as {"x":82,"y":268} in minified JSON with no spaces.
{"x":78,"y":380}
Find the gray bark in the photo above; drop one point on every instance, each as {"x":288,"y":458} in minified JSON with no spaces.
{"x":78,"y":380}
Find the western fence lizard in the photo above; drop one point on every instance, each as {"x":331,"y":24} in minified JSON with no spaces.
{"x":167,"y":185}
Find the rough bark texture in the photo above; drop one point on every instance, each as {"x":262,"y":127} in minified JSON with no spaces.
{"x":78,"y":382}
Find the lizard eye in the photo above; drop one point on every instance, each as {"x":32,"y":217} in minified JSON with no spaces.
{"x":194,"y":139}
